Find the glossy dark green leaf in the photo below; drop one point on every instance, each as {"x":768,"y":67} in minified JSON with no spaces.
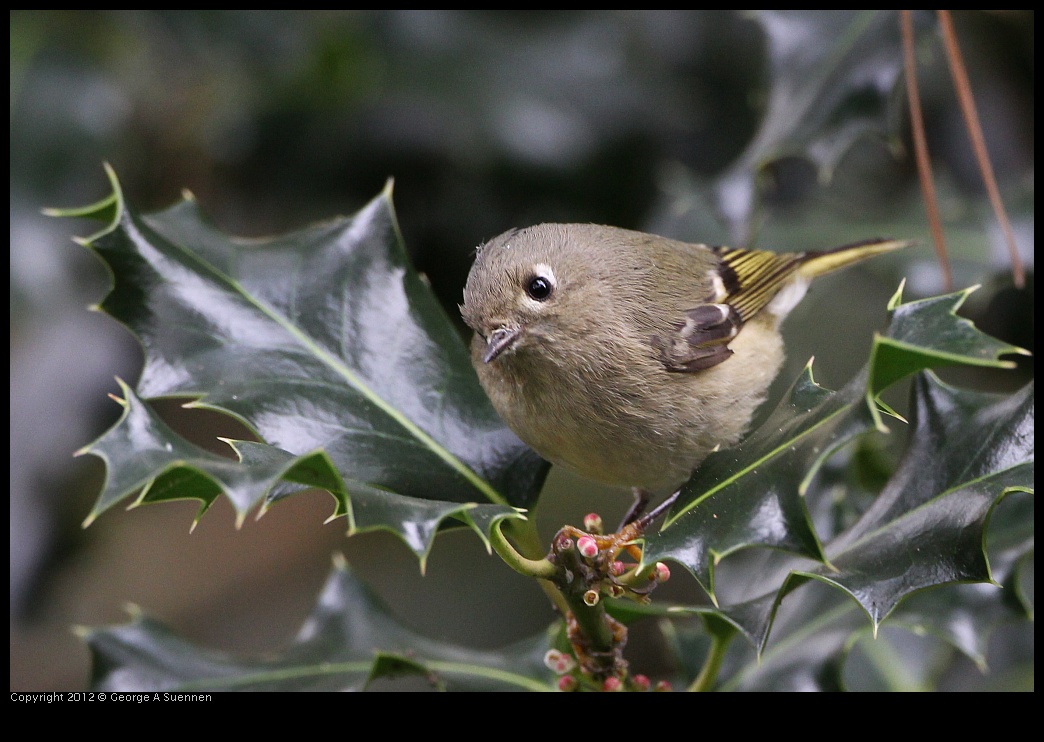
{"x":329,"y":346}
{"x":970,"y":454}
{"x":831,"y":79}
{"x":751,"y":494}
{"x":142,"y":453}
{"x":810,"y":652}
{"x":929,"y":334}
{"x":347,"y":643}
{"x":928,"y":525}
{"x":813,"y":639}
{"x":755,"y":493}
{"x":964,"y":616}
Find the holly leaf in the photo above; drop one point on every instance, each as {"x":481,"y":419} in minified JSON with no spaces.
{"x":326,"y":344}
{"x":928,"y":334}
{"x":957,"y":516}
{"x":754,"y":494}
{"x":347,"y":643}
{"x":831,"y":77}
{"x":927,"y":527}
{"x":814,"y":637}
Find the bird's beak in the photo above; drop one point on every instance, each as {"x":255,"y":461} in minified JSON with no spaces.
{"x":500,"y":340}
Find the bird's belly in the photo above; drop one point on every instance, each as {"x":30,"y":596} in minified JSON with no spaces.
{"x":616,"y":441}
{"x":650,"y":432}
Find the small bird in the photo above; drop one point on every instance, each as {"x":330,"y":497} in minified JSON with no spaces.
{"x":628,"y":357}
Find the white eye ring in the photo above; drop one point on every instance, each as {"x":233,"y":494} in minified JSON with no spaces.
{"x":540,"y":285}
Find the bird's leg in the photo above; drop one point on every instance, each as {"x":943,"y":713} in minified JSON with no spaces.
{"x":641,"y":501}
{"x":646,"y":520}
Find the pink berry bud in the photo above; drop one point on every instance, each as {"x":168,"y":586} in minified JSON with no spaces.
{"x":642,"y":681}
{"x":617,"y":568}
{"x":558,"y":661}
{"x":593,"y":523}
{"x":612,"y":685}
{"x":662,"y":686}
{"x":567,"y":683}
{"x":587,"y":546}
{"x":662,"y":572}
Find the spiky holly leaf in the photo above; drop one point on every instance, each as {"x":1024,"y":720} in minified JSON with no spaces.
{"x":813,"y":639}
{"x":928,"y":525}
{"x":817,"y":628}
{"x":348,"y":642}
{"x":831,"y":79}
{"x":929,"y":334}
{"x":958,"y":510}
{"x":329,"y":346}
{"x":966,"y":615}
{"x":753,"y":493}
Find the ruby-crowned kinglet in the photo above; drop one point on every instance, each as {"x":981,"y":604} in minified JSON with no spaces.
{"x":628,"y":357}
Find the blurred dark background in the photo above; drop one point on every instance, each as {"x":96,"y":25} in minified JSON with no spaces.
{"x":486,"y":120}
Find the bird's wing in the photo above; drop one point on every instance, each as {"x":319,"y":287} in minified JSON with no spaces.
{"x":745,"y":281}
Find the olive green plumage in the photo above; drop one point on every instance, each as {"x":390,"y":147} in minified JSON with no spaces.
{"x":628,"y":357}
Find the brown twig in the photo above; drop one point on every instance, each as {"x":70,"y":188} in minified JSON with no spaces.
{"x":924,"y":165}
{"x":971,"y":120}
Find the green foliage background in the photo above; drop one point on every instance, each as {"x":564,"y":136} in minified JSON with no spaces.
{"x":486,"y":120}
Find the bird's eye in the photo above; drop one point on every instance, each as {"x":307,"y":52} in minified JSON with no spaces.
{"x":539,"y":288}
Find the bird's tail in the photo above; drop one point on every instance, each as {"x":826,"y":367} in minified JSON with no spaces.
{"x":817,"y":263}
{"x":756,"y":279}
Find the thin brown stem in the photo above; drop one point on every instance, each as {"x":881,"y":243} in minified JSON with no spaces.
{"x":924,"y":165}
{"x":971,"y":120}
